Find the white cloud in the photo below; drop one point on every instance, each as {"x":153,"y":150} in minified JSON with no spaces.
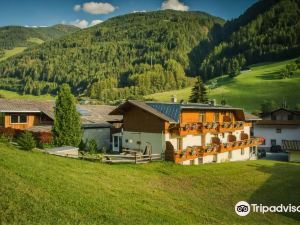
{"x":139,"y":11}
{"x":84,"y":23}
{"x":98,"y":7}
{"x":35,"y":26}
{"x":80,"y":23}
{"x":175,"y":5}
{"x":77,"y":8}
{"x":95,"y":22}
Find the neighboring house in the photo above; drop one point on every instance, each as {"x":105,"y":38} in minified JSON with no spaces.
{"x":293,"y":149}
{"x":281,"y":124}
{"x":98,"y":124}
{"x":38,"y":116}
{"x":186,"y":133}
{"x":26,"y":115}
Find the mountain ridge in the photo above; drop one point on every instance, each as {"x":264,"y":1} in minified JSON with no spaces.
{"x":142,"y":53}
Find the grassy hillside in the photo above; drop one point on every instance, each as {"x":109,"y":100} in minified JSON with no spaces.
{"x":249,"y":89}
{"x":41,"y":189}
{"x":14,"y":95}
{"x":18,"y":36}
{"x":125,"y":56}
{"x":12,"y":52}
{"x":15,"y":39}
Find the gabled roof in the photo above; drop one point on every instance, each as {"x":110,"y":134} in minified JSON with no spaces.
{"x":142,"y":105}
{"x":91,"y":115}
{"x":251,"y":117}
{"x":26,"y":106}
{"x":168,"y":111}
{"x":296,"y":112}
{"x":97,"y":115}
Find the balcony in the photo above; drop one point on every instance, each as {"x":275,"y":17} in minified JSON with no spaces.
{"x":194,"y":152}
{"x":187,"y":128}
{"x":184,"y":129}
{"x":230,"y":146}
{"x":231,"y":126}
{"x":210,"y":127}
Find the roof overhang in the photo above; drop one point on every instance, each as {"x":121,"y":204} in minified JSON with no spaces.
{"x":20,"y":111}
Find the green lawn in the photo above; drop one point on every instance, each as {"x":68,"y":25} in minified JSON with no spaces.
{"x":14,"y":95}
{"x":12,"y":52}
{"x":249,"y":89}
{"x":35,"y":41}
{"x":41,"y":189}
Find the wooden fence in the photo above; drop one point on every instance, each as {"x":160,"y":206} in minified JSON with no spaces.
{"x":135,"y":157}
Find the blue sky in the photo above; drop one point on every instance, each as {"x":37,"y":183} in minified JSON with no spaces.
{"x":88,"y":12}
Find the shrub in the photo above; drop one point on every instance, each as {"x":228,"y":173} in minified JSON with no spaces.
{"x":7,"y":133}
{"x":92,"y":146}
{"x":26,"y":141}
{"x":44,"y":137}
{"x":82,"y":145}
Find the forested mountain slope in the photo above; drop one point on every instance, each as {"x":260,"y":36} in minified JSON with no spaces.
{"x":134,"y":54}
{"x":267,"y":31}
{"x":18,"y":36}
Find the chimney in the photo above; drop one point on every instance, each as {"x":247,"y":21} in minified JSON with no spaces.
{"x":213,"y":102}
{"x":173,"y":99}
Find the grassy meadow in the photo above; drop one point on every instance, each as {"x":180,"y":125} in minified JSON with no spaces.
{"x":13,"y":95}
{"x":12,"y":52}
{"x":249,"y":89}
{"x":41,"y":189}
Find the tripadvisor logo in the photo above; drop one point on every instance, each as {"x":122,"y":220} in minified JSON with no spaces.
{"x":242,"y":208}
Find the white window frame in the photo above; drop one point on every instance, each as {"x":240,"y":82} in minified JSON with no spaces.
{"x":18,"y":115}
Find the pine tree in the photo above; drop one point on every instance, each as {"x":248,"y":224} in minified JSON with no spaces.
{"x":67,"y":126}
{"x":199,"y":92}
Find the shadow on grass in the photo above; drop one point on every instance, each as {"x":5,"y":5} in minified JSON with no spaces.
{"x":282,"y":187}
{"x":270,"y":76}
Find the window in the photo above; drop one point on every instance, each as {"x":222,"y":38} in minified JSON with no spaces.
{"x":18,"y":119}
{"x":202,"y":117}
{"x":216,"y":117}
{"x":179,"y":143}
{"x":278,"y":130}
{"x":290,"y":117}
{"x":242,"y":151}
{"x":44,"y":119}
{"x":116,"y":139}
{"x":273,"y":142}
{"x":273,"y":117}
{"x":231,"y":116}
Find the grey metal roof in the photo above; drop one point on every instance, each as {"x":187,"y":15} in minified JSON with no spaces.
{"x":173,"y":110}
{"x":170,"y":110}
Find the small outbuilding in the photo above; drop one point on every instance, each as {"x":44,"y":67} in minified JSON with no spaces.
{"x":293,"y":149}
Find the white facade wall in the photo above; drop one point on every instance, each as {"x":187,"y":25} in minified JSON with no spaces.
{"x":100,"y":135}
{"x":139,"y":141}
{"x":269,"y":132}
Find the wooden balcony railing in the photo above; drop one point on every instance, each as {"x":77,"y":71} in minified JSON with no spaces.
{"x":194,"y":152}
{"x":184,"y":129}
{"x":231,"y":126}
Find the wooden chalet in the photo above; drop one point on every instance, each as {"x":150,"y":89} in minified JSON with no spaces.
{"x":186,"y":133}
